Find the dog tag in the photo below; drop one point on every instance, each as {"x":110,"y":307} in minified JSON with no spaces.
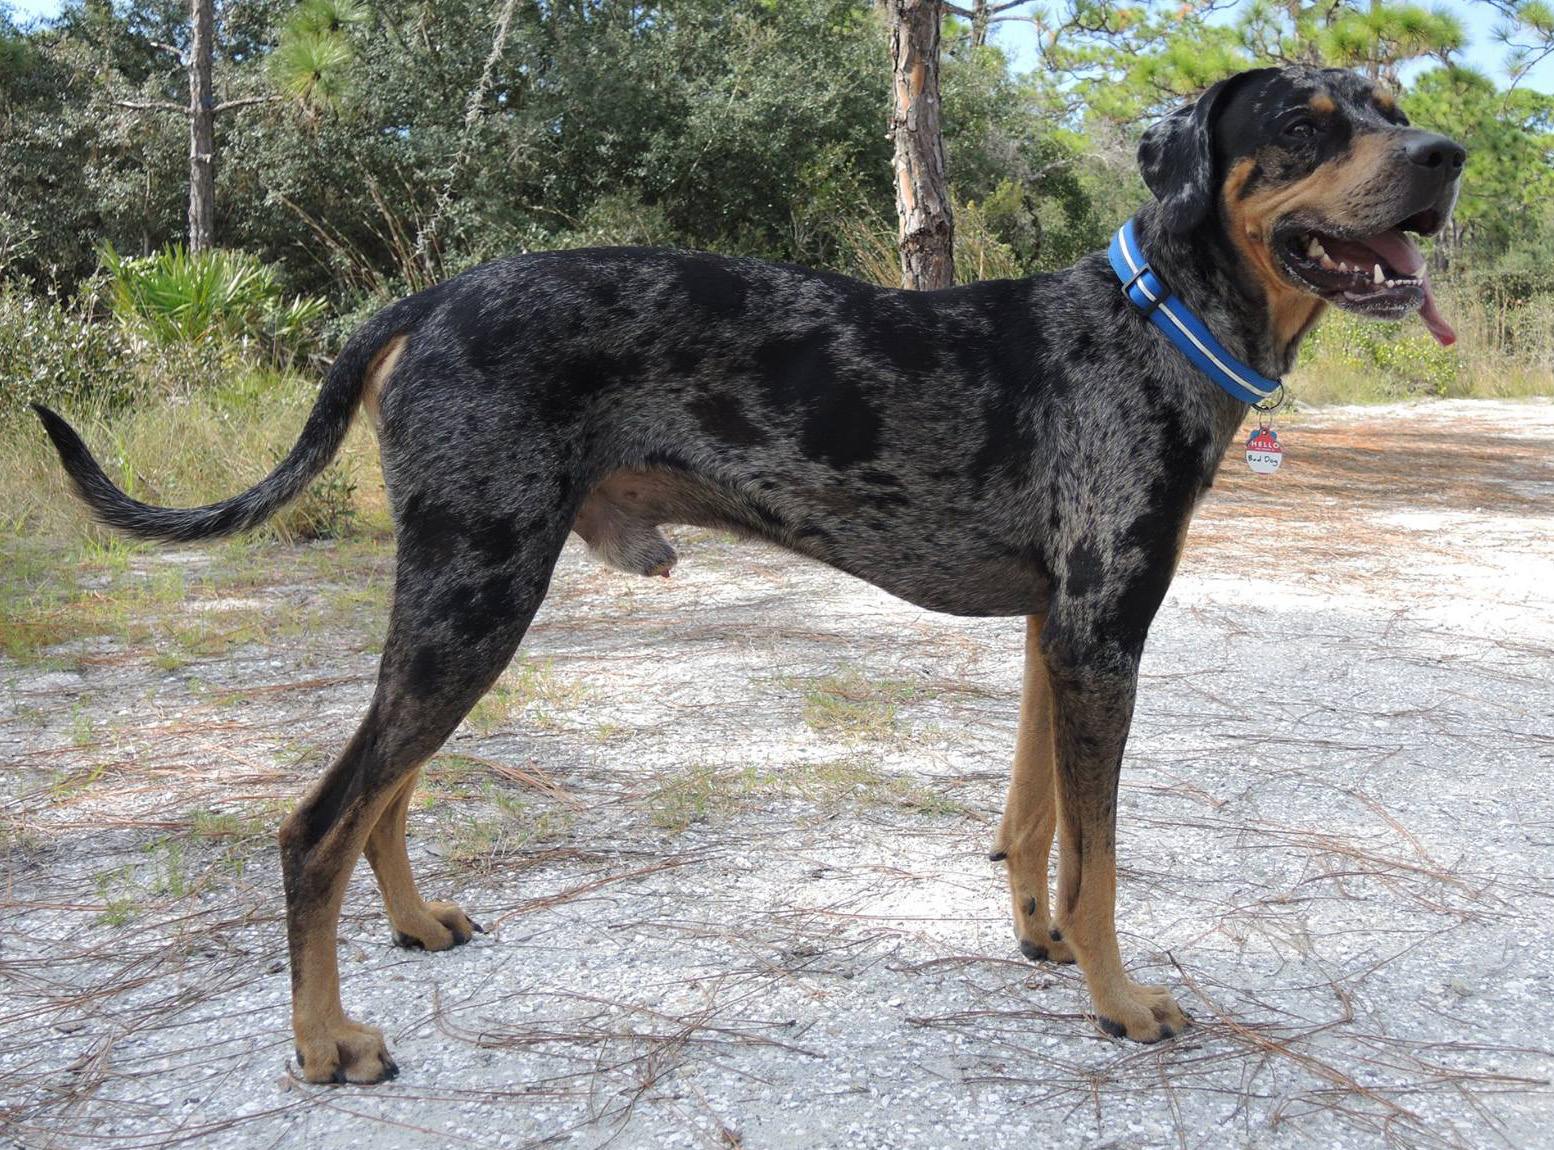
{"x":1263,"y":453}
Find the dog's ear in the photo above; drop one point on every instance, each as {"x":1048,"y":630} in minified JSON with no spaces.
{"x":1176,"y":156}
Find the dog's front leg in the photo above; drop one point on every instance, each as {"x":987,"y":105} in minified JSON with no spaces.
{"x":1093,"y":681}
{"x":1024,"y":840}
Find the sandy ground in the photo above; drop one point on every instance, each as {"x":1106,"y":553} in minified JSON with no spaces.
{"x":729,"y":832}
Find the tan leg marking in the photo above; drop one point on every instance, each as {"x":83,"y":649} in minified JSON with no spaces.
{"x":416,"y":922}
{"x":1087,"y":907}
{"x":331,"y":1047}
{"x":1030,"y":812}
{"x":378,"y":372}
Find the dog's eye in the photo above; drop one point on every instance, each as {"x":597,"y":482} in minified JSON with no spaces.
{"x":1302,"y":129}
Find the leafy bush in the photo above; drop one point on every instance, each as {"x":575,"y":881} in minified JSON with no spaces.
{"x":1402,"y":357}
{"x":181,"y":297}
{"x":54,"y":352}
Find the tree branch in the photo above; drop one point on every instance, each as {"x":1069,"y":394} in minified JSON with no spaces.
{"x":152,"y":105}
{"x":243,"y":102}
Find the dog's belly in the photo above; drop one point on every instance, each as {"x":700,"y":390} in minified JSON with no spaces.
{"x":937,"y":563}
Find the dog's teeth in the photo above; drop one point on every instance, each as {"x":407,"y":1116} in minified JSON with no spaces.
{"x":1377,"y":277}
{"x":1314,"y":249}
{"x":1327,"y":261}
{"x":1392,"y":283}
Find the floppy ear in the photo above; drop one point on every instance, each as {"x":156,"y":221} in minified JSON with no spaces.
{"x":1176,"y":156}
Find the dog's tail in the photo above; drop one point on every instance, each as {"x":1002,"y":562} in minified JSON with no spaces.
{"x":321,"y":437}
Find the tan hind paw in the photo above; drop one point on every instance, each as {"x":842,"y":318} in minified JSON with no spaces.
{"x":438,"y":926}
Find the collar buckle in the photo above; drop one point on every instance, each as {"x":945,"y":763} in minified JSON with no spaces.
{"x":1149,"y":306}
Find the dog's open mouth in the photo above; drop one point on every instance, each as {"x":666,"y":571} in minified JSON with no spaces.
{"x":1381,"y":275}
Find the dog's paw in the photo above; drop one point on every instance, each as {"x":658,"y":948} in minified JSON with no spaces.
{"x":1050,"y":949}
{"x":1141,"y":1013}
{"x":1039,"y":941}
{"x":439,"y":926}
{"x":345,"y":1052}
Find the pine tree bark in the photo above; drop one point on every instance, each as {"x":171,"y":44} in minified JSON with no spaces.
{"x":202,"y":130}
{"x":927,"y":226}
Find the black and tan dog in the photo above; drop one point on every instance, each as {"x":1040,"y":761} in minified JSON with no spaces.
{"x":1031,"y":447}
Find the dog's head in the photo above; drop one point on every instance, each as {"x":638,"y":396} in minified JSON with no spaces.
{"x":1318,"y":181}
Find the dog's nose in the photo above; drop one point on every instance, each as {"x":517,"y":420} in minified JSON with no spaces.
{"x":1431,"y":151}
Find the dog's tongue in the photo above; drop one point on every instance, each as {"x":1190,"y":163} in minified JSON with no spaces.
{"x":1401,"y":255}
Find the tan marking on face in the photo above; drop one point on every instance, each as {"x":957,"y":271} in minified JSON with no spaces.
{"x":1331,"y":193}
{"x":1322,"y":104}
{"x":1384,"y":100}
{"x":378,"y":372}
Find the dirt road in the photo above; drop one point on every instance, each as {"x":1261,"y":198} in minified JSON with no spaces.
{"x":729,"y":832}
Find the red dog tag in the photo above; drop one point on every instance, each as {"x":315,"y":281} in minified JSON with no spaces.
{"x":1263,"y":453}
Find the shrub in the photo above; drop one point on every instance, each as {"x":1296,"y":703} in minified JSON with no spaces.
{"x":55,"y":352}
{"x":179,"y":297}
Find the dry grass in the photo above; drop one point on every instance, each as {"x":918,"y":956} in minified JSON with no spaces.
{"x":211,"y":445}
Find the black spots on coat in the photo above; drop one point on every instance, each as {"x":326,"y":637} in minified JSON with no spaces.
{"x":486,"y":340}
{"x":1083,"y":351}
{"x":605,"y":293}
{"x":799,"y":373}
{"x":900,"y":332}
{"x":494,"y":538}
{"x":422,"y":676}
{"x":684,"y":359}
{"x":840,"y":426}
{"x":879,"y":477}
{"x":475,"y":610}
{"x":791,"y":368}
{"x":711,"y":286}
{"x":1008,"y":445}
{"x":583,"y":375}
{"x":722,"y":417}
{"x":428,"y":530}
{"x":1084,"y":572}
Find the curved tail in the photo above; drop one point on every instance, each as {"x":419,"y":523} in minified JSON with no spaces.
{"x":321,"y":437}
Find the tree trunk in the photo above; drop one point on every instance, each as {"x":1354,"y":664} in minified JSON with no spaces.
{"x":1373,"y":65}
{"x":202,"y":130}
{"x":980,"y":18}
{"x":926,"y":235}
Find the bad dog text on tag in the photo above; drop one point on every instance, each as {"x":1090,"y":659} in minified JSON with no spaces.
{"x":1263,"y":453}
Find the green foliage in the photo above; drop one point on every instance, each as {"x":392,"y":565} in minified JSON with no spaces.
{"x":312,"y":60}
{"x":57,"y":352}
{"x":1402,"y":358}
{"x":179,"y":297}
{"x":388,"y":146}
{"x":1508,"y":185}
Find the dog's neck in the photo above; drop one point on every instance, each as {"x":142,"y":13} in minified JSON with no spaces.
{"x":1203,"y":268}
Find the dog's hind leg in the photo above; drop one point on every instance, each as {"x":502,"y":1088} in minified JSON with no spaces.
{"x":1024,"y":839}
{"x":1094,"y":679}
{"x":416,"y":923}
{"x":457,"y":619}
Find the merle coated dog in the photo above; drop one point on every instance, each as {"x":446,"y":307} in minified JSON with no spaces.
{"x":1030,"y":447}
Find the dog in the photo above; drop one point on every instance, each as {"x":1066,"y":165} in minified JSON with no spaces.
{"x":1029,"y":448}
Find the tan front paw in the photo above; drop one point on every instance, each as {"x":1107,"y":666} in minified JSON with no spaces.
{"x":439,"y":926}
{"x":1141,"y":1013}
{"x":345,"y":1052}
{"x":1039,"y":940}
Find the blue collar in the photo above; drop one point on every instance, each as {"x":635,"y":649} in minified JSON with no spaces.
{"x":1146,"y":292}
